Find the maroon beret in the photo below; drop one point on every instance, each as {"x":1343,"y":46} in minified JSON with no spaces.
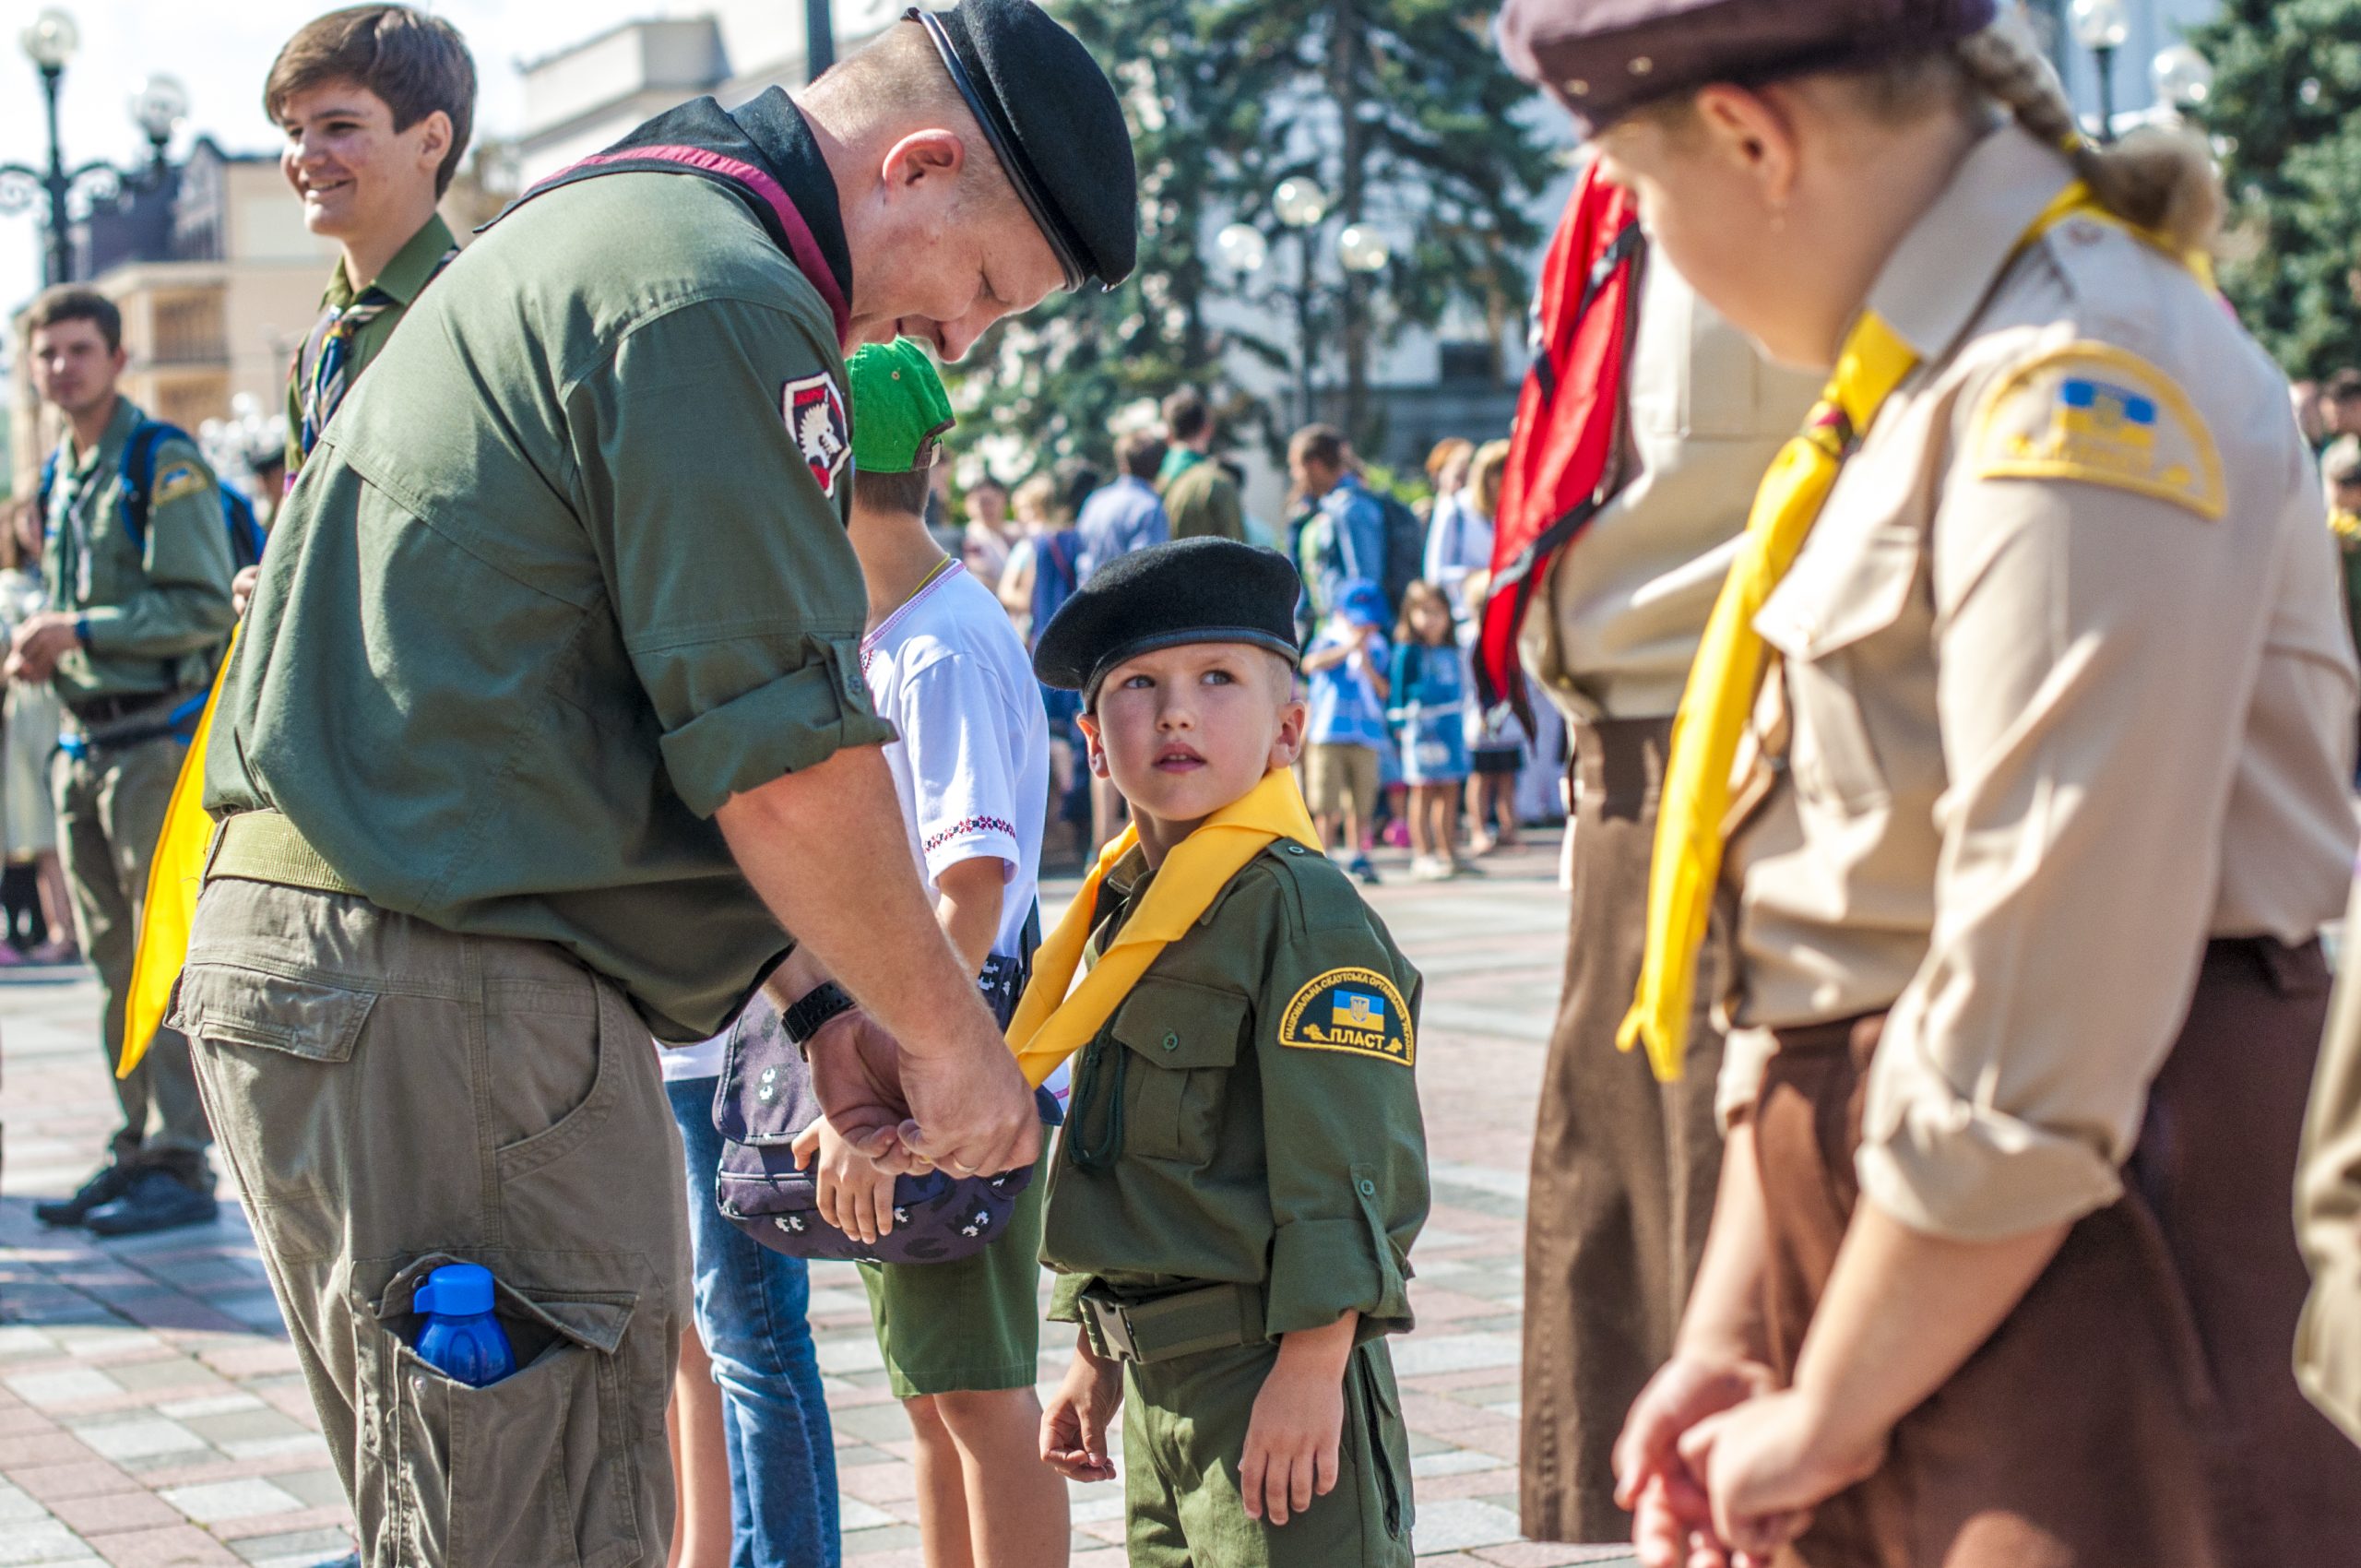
{"x":1604,"y":58}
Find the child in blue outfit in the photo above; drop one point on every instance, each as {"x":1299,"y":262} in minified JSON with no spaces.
{"x":1346,"y":668}
{"x":1429,"y":684}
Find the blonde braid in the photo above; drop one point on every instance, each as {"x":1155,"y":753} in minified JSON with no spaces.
{"x":2158,"y":180}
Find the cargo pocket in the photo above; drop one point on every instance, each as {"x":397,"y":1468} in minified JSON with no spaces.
{"x":1181,"y":1041}
{"x":1389,"y":1443}
{"x":536,"y":1468}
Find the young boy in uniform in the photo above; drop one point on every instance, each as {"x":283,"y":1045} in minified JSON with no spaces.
{"x":961,"y":1340}
{"x":1243,"y":1170}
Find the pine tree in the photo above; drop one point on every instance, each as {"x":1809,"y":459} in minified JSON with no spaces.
{"x":2285,"y":109}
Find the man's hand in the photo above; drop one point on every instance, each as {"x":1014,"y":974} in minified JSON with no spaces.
{"x":1767,"y":1464}
{"x":974,"y":1117}
{"x":242,"y":590}
{"x":1080,"y":1415}
{"x":855,"y":1195}
{"x":1671,"y":1519}
{"x":857,"y":1072}
{"x":39,"y":641}
{"x":1298,"y":1423}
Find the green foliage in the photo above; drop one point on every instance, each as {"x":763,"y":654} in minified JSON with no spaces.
{"x":1399,"y":109}
{"x":2286,"y":107}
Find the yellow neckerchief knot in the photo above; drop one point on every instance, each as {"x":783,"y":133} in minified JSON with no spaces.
{"x":1686,"y":862}
{"x":2346,"y":526}
{"x":1050,"y":1025}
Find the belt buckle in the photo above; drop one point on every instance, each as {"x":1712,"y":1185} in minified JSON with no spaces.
{"x":1113,"y":1322}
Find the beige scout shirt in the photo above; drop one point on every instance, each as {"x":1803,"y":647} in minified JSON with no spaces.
{"x":1616,"y":627}
{"x":2069,"y":691}
{"x":2328,"y":1208}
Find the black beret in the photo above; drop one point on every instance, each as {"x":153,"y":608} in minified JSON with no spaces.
{"x":1604,"y":58}
{"x":1055,"y":125}
{"x":1191,"y":590}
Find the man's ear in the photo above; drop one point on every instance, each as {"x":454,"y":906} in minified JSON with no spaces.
{"x":1754,"y":133}
{"x":923,"y":158}
{"x":1094,"y":746}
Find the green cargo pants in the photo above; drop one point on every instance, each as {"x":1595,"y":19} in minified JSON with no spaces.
{"x":1184,"y":1432}
{"x":390,"y":1096}
{"x":111,"y":806}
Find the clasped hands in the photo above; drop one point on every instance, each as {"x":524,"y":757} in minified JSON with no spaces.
{"x":1721,"y":1468}
{"x":899,"y":1113}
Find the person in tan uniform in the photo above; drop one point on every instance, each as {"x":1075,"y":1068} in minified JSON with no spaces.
{"x":1624,"y":1167}
{"x":2328,"y":1208}
{"x":2042,"y":808}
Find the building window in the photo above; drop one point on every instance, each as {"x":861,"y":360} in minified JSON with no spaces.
{"x":1467,"y":361}
{"x":189,"y":331}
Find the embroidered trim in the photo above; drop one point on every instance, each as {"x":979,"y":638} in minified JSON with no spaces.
{"x":968,"y":825}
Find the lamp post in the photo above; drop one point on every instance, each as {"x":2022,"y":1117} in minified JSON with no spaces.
{"x":2183,"y":78}
{"x":50,"y":42}
{"x":1300,"y":205}
{"x":2101,"y":28}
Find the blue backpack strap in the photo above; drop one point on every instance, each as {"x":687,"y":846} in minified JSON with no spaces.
{"x":48,"y":482}
{"x":139,"y":475}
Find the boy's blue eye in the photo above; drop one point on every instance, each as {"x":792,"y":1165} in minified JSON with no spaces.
{"x":1138,"y":682}
{"x":1220,"y":678}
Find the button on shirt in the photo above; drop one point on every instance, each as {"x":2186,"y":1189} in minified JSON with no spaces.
{"x":2069,"y":692}
{"x":558,"y":583}
{"x":1116,"y":519}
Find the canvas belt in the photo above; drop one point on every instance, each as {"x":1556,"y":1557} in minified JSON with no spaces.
{"x":265,"y":847}
{"x":1210,"y":1317}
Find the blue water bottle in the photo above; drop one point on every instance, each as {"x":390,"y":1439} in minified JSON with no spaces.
{"x":462,"y":1341}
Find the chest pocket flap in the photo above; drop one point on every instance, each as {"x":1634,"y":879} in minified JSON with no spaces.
{"x":1844,"y":587}
{"x":1181,"y":1042}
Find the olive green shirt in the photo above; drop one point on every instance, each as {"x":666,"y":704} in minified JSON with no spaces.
{"x":413,"y":267}
{"x":1231,"y":1124}
{"x":154,"y":611}
{"x":561,"y":584}
{"x":1201,"y":499}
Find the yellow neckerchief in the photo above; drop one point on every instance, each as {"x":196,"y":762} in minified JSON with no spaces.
{"x":1686,"y":862}
{"x":1050,"y":1025}
{"x":2346,"y":526}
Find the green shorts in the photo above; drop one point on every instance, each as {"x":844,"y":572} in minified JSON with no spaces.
{"x":968,"y":1327}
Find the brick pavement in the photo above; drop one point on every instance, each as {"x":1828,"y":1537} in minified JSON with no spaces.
{"x":151,"y":1415}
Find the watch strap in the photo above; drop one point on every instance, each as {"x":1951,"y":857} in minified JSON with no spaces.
{"x":804,"y":1018}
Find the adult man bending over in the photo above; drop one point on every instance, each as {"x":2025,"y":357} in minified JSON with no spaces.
{"x":550,"y":716}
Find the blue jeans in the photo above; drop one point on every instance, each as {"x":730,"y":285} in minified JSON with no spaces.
{"x":750,"y":1312}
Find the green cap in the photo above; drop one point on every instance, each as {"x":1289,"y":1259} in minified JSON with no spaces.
{"x":898,"y":408}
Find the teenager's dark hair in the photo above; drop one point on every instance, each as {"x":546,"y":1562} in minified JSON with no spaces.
{"x":1139,"y":454}
{"x":1186,"y":417}
{"x":903,"y":494}
{"x":416,"y":63}
{"x":71,"y":301}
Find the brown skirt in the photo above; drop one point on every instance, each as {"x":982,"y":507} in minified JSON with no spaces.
{"x":2139,"y":1408}
{"x":1623,"y":1167}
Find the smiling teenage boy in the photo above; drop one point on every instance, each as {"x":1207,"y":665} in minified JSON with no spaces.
{"x":1243,"y":1171}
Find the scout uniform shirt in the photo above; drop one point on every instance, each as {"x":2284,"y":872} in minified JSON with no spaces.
{"x":2065,"y":691}
{"x":154,"y":611}
{"x":1249,"y":1113}
{"x":1613,"y":631}
{"x":576,"y":572}
{"x":367,"y":319}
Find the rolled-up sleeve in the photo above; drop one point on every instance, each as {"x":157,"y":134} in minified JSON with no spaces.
{"x":739,"y":597}
{"x":2328,"y":1209}
{"x":2097,"y":652}
{"x":1346,"y":1147}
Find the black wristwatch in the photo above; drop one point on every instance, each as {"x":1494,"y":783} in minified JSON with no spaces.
{"x":819,"y":1004}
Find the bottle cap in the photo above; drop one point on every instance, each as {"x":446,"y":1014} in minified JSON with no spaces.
{"x":456,"y":1289}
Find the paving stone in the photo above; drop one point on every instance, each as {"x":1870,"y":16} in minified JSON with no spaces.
{"x":1458,"y":1525}
{"x":218,"y":1502}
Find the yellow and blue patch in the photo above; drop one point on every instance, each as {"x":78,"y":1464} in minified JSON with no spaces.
{"x":180,"y":478}
{"x":1352,"y":1010}
{"x":2098,"y":414}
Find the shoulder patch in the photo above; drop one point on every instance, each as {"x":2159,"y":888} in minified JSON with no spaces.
{"x":2101,"y":415}
{"x":814,"y":410}
{"x":1356,"y":1010}
{"x":176,"y":481}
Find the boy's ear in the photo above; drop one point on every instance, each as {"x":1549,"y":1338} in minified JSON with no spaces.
{"x":1288,"y":744}
{"x":434,"y":141}
{"x":1092,"y":747}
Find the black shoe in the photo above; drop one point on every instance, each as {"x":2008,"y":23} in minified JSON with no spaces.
{"x":158,"y":1201}
{"x":104,"y":1188}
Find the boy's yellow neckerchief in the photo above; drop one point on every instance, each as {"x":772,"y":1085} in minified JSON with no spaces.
{"x":1050,"y":1025}
{"x":1723,"y":683}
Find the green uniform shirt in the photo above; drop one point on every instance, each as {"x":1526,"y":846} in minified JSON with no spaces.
{"x":1201,"y":499}
{"x":1249,"y":1113}
{"x":557,"y":584}
{"x":411,"y":269}
{"x":155,"y":611}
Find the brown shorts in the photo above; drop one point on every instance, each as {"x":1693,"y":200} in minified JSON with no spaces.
{"x":1340,"y":777}
{"x":391,"y":1096}
{"x":2139,"y":1405}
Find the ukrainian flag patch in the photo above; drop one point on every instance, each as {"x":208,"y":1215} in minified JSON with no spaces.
{"x":2101,"y":415}
{"x":180,"y":478}
{"x":1353,"y":1010}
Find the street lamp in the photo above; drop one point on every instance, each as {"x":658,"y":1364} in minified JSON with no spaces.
{"x":158,"y":108}
{"x":2183,"y":77}
{"x":1300,"y":205}
{"x":2101,"y":26}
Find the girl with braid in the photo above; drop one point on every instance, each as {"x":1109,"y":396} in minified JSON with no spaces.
{"x":2020,"y":735}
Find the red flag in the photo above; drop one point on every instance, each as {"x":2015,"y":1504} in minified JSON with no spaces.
{"x":1568,"y":416}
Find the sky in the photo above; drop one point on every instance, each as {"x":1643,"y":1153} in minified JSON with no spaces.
{"x":221,"y":50}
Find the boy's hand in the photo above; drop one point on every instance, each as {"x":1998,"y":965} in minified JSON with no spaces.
{"x":1297,"y":1424}
{"x":855,"y":1194}
{"x":1075,"y":1424}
